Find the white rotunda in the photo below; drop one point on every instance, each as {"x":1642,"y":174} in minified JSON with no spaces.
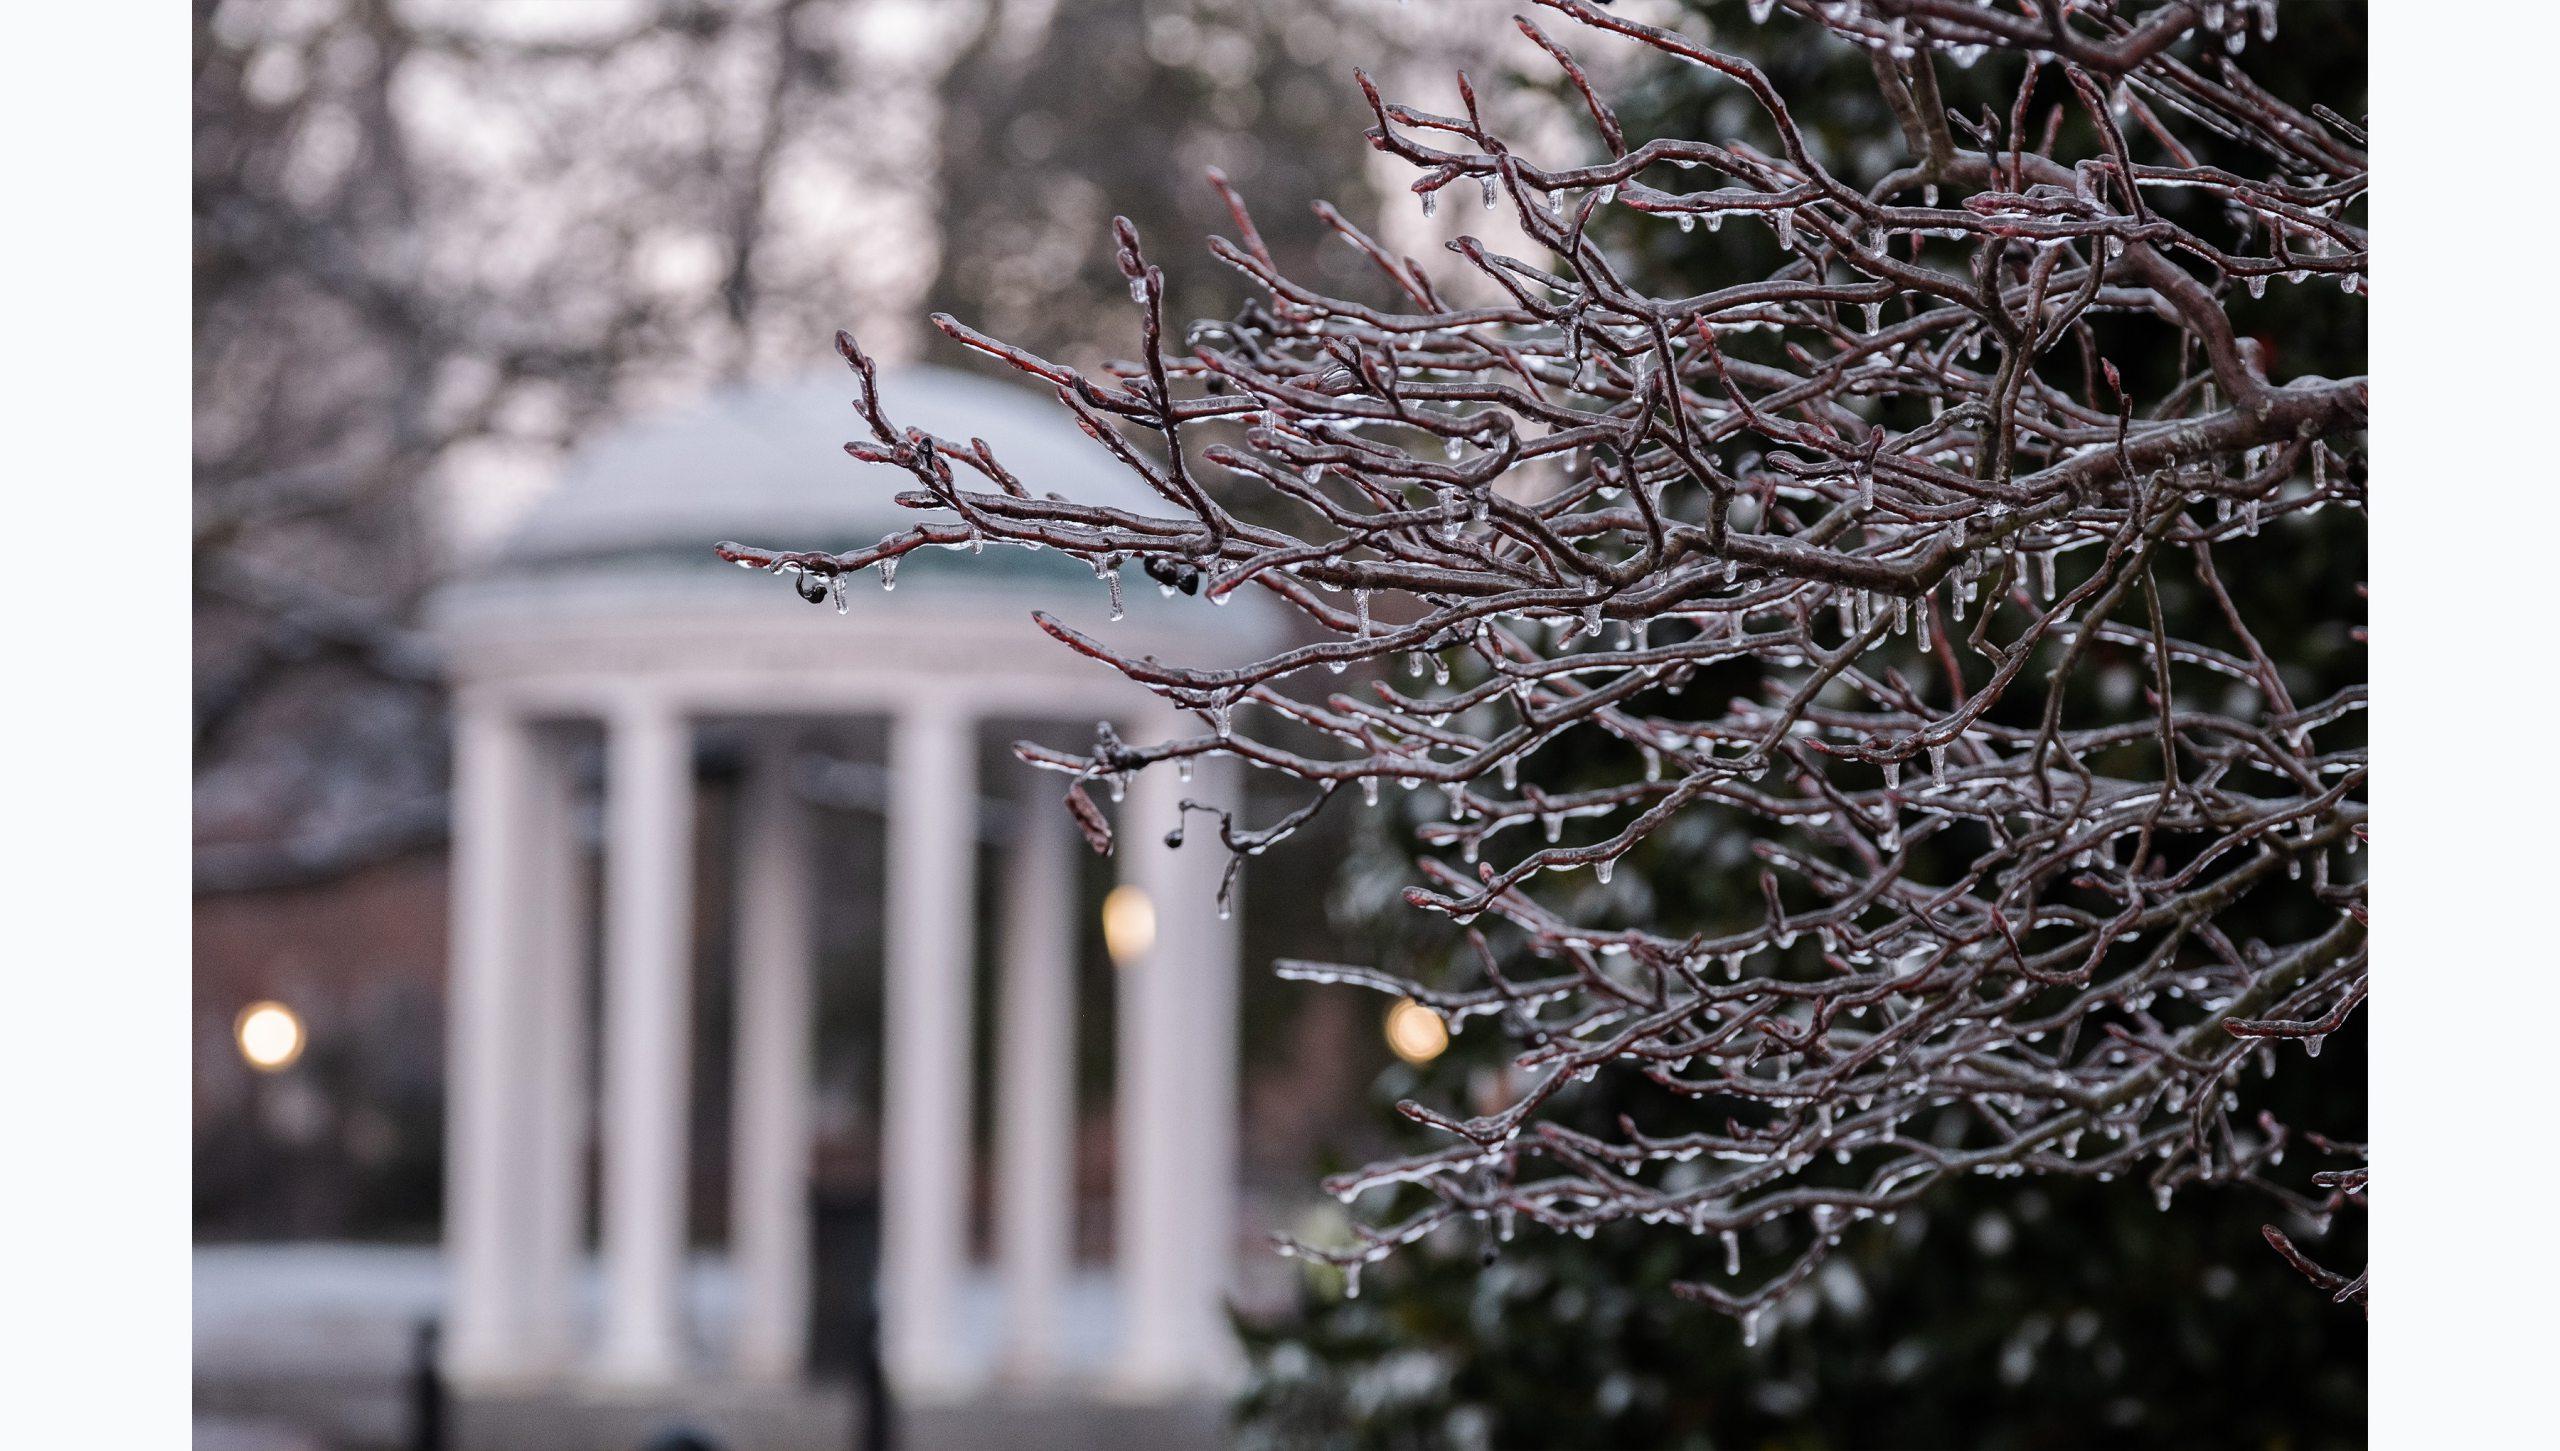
{"x":606,"y":613}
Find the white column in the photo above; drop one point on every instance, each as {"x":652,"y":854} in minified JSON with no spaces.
{"x":1216,"y":953}
{"x":1176,"y":1094}
{"x":925,"y":1050}
{"x":1036,"y":1090}
{"x":488,"y":1054}
{"x":557,"y":1103}
{"x":769,"y":1173}
{"x":648,"y":1040}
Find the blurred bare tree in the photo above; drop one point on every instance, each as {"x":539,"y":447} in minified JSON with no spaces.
{"x":437,"y":242}
{"x":1059,"y":116}
{"x":315,"y":373}
{"x":428,"y":232}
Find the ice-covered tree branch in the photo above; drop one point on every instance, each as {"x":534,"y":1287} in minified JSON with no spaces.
{"x":1905,"y":558}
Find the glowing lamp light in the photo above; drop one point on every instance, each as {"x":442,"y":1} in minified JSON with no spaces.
{"x":270,"y":1036}
{"x":1416,"y":1033}
{"x":1128,"y":924}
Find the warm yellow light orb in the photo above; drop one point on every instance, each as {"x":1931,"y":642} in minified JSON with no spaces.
{"x":1128,"y":924}
{"x":270,"y":1036}
{"x":1416,"y":1033}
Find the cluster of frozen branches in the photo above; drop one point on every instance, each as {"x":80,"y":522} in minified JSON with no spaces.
{"x":1825,"y":556}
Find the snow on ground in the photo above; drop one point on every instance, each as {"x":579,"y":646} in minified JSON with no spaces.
{"x":326,"y":1310}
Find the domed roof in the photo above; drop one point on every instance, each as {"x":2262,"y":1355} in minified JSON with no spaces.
{"x":764,"y":464}
{"x":613,"y":570}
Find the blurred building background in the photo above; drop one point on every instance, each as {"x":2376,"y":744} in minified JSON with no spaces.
{"x":482,"y":288}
